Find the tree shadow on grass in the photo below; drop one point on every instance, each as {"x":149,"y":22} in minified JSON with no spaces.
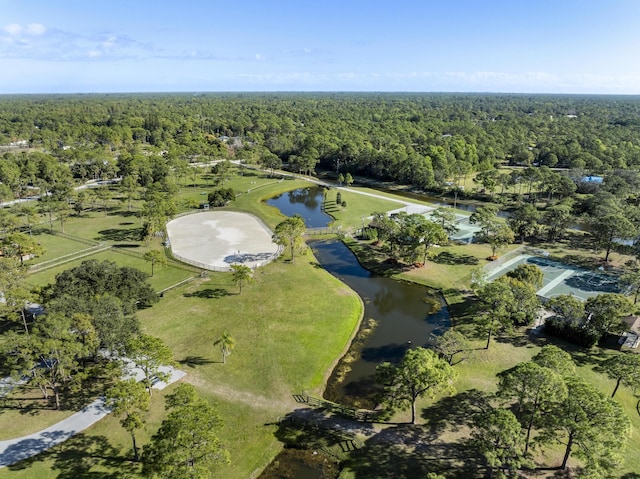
{"x":116,"y":211}
{"x":447,"y":257}
{"x":411,"y":453}
{"x":30,"y":402}
{"x":26,"y":406}
{"x":516,"y":340}
{"x":91,"y":457}
{"x":208,"y":293}
{"x":454,"y":413}
{"x":462,"y":312}
{"x":588,"y":357}
{"x":120,"y":234}
{"x":193,"y":361}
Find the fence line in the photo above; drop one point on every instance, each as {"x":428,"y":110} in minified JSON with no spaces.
{"x":180,"y":283}
{"x":52,"y":263}
{"x":346,"y":411}
{"x":224,"y":269}
{"x":75,"y":238}
{"x":136,"y":254}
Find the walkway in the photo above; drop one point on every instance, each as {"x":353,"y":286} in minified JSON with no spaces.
{"x":409,"y":207}
{"x":20,"y":448}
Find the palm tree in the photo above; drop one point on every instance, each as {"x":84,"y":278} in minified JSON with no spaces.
{"x":226,"y":344}
{"x":241,"y":274}
{"x":154,"y":256}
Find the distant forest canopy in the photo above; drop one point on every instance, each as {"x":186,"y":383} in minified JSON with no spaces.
{"x":426,"y":140}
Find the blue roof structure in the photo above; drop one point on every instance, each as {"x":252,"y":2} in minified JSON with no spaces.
{"x":592,"y":179}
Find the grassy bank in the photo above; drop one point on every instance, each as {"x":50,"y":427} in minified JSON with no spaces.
{"x":290,"y":325}
{"x":280,"y":324}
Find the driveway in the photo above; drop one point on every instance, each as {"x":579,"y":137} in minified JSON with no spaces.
{"x":20,"y":448}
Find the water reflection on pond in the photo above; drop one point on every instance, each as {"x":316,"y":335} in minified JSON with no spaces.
{"x":306,"y":202}
{"x":405,"y":315}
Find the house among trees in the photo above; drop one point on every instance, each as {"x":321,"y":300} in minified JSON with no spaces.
{"x":592,"y":179}
{"x":631,"y":338}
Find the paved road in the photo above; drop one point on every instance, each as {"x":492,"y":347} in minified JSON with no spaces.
{"x":408,"y":206}
{"x":20,"y":448}
{"x":88,"y":184}
{"x":14,"y":450}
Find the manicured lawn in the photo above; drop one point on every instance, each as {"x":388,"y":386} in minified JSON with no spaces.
{"x":359,"y":207}
{"x":282,"y":348}
{"x":290,"y":325}
{"x":163,"y":277}
{"x":118,"y":226}
{"x":55,"y":246}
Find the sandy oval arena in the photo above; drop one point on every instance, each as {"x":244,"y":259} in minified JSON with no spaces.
{"x":216,"y":240}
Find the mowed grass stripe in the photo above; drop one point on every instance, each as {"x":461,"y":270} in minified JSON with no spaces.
{"x":163,"y":277}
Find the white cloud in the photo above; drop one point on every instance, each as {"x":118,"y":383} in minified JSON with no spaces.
{"x":258,"y":57}
{"x":109,"y":42}
{"x":31,"y":29}
{"x":35,"y":29}
{"x":94,"y":54}
{"x":13,"y":29}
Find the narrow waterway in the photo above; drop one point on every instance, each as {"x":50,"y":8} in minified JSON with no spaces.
{"x":400,"y":316}
{"x":397,"y":315}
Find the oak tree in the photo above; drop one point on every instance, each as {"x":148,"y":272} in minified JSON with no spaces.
{"x":420,"y":373}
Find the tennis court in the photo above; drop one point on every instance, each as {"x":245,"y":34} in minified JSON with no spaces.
{"x":560,"y":278}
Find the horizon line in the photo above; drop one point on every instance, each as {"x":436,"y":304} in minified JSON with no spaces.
{"x":253,"y":92}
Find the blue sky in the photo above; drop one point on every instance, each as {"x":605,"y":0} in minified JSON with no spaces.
{"x":541,"y":46}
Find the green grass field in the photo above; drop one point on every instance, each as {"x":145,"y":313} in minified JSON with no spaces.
{"x":290,"y":325}
{"x":163,"y":276}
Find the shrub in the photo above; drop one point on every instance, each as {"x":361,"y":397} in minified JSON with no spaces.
{"x":572,"y":331}
{"x":221,"y":197}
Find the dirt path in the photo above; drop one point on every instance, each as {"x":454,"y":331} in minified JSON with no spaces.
{"x":278,"y":404}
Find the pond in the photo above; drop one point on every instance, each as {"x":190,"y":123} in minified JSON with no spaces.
{"x":397,"y":316}
{"x":301,"y":464}
{"x":306,"y":202}
{"x":404,"y":315}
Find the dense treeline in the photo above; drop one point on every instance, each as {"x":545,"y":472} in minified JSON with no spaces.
{"x":420,"y":139}
{"x":430,"y":141}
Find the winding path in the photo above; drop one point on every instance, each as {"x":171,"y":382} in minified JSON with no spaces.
{"x":20,"y":448}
